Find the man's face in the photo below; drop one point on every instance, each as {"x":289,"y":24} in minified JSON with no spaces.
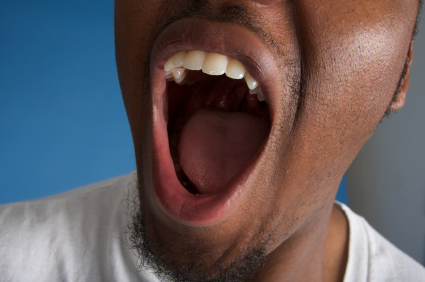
{"x":224,"y":177}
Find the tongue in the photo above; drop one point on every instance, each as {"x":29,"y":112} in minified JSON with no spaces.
{"x":215,"y":145}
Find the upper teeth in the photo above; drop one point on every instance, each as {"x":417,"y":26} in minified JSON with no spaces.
{"x":209,"y":63}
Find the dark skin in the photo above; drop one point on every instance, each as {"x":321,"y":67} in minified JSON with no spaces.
{"x":346,"y":60}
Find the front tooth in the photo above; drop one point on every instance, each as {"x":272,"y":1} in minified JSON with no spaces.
{"x":169,"y":65}
{"x":194,"y":60}
{"x":214,"y":64}
{"x":250,"y":81}
{"x":253,"y":91}
{"x":178,"y":58}
{"x":235,"y":69}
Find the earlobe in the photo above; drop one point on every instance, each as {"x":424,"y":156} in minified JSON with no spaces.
{"x":400,"y":98}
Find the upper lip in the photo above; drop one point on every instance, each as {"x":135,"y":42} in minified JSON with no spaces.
{"x":234,"y":41}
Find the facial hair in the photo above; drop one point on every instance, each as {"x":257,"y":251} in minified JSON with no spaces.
{"x":190,"y":265}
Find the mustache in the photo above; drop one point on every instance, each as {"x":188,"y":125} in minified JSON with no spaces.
{"x":235,"y":14}
{"x":240,"y":14}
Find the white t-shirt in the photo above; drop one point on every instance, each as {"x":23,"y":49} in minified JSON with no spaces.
{"x":78,"y":236}
{"x":373,"y":258}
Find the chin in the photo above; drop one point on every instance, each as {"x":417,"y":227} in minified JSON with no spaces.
{"x":185,"y":257}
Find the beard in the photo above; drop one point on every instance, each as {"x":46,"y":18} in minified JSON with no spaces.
{"x":171,"y":262}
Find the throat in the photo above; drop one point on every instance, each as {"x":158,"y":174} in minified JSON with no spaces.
{"x":214,"y":146}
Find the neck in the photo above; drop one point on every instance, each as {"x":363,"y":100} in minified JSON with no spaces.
{"x":319,"y":253}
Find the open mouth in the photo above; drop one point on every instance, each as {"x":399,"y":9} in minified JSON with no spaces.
{"x":211,"y":117}
{"x":217,"y":119}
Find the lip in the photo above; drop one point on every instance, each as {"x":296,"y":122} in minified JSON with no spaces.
{"x":228,"y":39}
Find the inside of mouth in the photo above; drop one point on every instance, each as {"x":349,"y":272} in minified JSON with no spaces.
{"x":215,"y":127}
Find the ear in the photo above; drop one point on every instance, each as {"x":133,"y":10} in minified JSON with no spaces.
{"x":400,"y":98}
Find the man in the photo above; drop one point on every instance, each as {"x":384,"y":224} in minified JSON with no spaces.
{"x":244,"y":115}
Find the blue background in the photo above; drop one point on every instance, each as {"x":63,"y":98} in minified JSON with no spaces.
{"x":62,"y":120}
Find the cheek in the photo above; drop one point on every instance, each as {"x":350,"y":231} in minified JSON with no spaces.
{"x":350,"y":80}
{"x":135,"y":25}
{"x":369,"y":69}
{"x":353,"y":57}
